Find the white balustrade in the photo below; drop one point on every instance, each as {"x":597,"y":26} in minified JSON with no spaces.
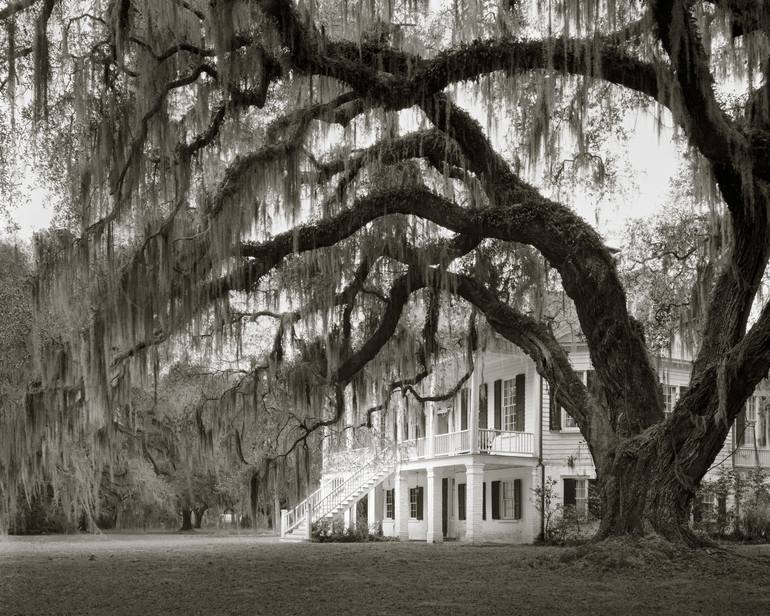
{"x":749,"y":457}
{"x":505,"y":442}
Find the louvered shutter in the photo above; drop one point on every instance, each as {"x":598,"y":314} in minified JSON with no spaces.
{"x":484,"y":501}
{"x":554,"y":411}
{"x":461,"y":501}
{"x":518,"y":416}
{"x":483,"y":422}
{"x":495,"y":500}
{"x":498,"y":404}
{"x":419,"y":503}
{"x":464,"y":409}
{"x":517,"y":499}
{"x":570,"y":492}
{"x":740,"y":427}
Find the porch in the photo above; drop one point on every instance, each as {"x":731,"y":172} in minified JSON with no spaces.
{"x":473,"y":499}
{"x":479,"y":441}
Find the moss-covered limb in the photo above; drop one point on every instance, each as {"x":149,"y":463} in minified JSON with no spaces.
{"x":340,"y":110}
{"x":312,"y":52}
{"x":715,"y":135}
{"x":741,"y":168}
{"x":586,"y":267}
{"x":16,"y":6}
{"x":747,"y":16}
{"x":189,"y":7}
{"x":136,"y":146}
{"x":511,"y":222}
{"x":433,"y":145}
{"x":736,"y":285}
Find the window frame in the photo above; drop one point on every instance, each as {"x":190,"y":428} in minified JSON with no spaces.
{"x":390,"y":504}
{"x":581,"y":493}
{"x":507,"y":495}
{"x":508,"y":408}
{"x":568,"y":424}
{"x":671,"y":395}
{"x":415,"y":503}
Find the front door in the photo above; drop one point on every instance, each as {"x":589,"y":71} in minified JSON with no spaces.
{"x":444,"y":507}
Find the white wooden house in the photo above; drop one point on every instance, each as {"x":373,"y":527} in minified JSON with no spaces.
{"x":467,"y":469}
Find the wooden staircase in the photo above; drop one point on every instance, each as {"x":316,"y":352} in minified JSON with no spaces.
{"x":333,"y":497}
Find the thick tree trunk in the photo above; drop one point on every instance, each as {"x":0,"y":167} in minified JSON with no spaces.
{"x":186,"y":519}
{"x":254,"y":498}
{"x":648,"y":482}
{"x":199,"y":512}
{"x":637,"y":503}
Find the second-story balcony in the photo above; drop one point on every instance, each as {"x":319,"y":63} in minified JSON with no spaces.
{"x":493,"y":442}
{"x":488,"y":442}
{"x":748,"y":457}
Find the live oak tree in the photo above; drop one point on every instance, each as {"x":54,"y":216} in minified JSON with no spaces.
{"x":217,"y":184}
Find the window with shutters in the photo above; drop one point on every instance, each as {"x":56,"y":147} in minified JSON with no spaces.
{"x":670,"y":397}
{"x":576,"y":494}
{"x":463,"y":409}
{"x":554,"y":409}
{"x":390,"y":505}
{"x":589,"y":380}
{"x":415,"y":503}
{"x":461,"y":494}
{"x":483,"y":419}
{"x":509,"y":404}
{"x":752,"y":426}
{"x":507,"y":500}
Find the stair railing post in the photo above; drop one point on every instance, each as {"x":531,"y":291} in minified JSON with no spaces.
{"x":284,"y":515}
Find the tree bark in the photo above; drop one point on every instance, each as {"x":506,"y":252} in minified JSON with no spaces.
{"x":199,"y":512}
{"x":186,"y":519}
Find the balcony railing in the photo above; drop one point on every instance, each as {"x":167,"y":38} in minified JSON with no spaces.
{"x":490,"y":442}
{"x":413,"y":449}
{"x":748,"y":457}
{"x":452,"y":443}
{"x":494,"y":442}
{"x":506,"y":443}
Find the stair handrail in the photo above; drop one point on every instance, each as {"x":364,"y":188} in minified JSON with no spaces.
{"x":340,"y":492}
{"x":296,"y":516}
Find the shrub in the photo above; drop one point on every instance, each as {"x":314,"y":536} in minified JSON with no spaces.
{"x":333,"y":531}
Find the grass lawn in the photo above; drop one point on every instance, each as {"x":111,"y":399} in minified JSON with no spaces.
{"x":153,"y":574}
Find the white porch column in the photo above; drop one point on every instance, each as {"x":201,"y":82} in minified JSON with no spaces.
{"x":529,"y":512}
{"x":435,"y":534}
{"x":474,"y":474}
{"x":349,"y":517}
{"x":375,"y":505}
{"x":473,"y":406}
{"x":402,"y":506}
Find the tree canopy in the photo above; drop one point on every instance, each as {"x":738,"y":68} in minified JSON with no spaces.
{"x":318,"y":171}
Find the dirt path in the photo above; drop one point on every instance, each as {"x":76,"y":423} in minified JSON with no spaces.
{"x":200,"y":574}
